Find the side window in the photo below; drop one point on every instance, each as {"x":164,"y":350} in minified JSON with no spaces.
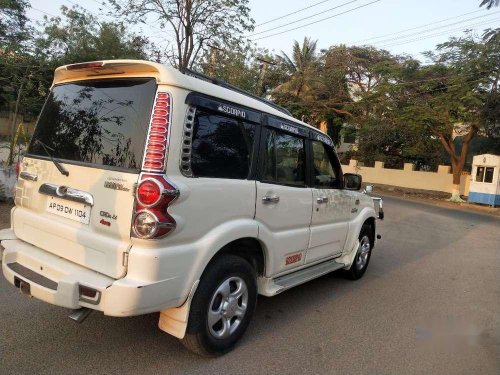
{"x":284,"y":159}
{"x":488,"y":174}
{"x":480,"y":174}
{"x":323,"y":170}
{"x":221,"y":146}
{"x":485,"y":174}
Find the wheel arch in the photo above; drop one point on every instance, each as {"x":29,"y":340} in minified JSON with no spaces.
{"x":371,"y":222}
{"x":248,"y":248}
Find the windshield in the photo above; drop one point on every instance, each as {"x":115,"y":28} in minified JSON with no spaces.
{"x":96,"y":122}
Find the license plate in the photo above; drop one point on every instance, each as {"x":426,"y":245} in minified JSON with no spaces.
{"x":70,"y":210}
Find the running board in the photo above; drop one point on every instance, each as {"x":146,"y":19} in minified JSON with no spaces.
{"x":271,"y":287}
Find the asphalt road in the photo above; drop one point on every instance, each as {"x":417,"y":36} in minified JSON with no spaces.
{"x":428,"y":304}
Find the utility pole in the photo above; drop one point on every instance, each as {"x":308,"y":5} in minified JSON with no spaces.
{"x":262,"y":75}
{"x":14,"y":119}
{"x":212,"y":66}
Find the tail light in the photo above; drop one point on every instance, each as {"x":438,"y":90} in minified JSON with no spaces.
{"x":87,"y":65}
{"x":149,"y":192}
{"x":154,"y":192}
{"x":157,"y":142}
{"x":153,"y":196}
{"x":18,"y":169}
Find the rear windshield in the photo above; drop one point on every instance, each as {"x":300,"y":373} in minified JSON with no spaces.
{"x":96,"y":122}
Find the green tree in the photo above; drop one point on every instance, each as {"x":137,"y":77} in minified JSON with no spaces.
{"x":13,"y":24}
{"x":196,"y":24}
{"x":74,"y":36}
{"x":489,"y":3}
{"x":301,"y":66}
{"x":451,"y":95}
{"x":78,"y":36}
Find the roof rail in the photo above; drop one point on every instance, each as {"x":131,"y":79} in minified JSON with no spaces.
{"x":226,"y":85}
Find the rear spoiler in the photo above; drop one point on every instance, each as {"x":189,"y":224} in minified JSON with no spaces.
{"x":92,"y":69}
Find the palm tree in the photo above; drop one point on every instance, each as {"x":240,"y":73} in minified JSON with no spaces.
{"x":489,"y":3}
{"x":301,"y":66}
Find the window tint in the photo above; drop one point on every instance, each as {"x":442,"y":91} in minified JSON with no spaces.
{"x":324,"y":173}
{"x":99,"y":122}
{"x":284,"y":161}
{"x":488,"y":175}
{"x":480,"y":174}
{"x":221,"y":146}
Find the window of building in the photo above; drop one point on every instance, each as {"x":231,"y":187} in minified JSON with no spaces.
{"x":221,"y":146}
{"x":479,"y":174}
{"x":284,"y":160}
{"x":324,"y":172}
{"x":488,"y":174}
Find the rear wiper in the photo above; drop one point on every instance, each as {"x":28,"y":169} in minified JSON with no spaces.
{"x":58,"y":165}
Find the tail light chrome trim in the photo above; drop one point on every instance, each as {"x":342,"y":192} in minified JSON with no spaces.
{"x":156,"y":150}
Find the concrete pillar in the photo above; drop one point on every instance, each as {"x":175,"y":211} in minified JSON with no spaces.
{"x":379,"y":164}
{"x":353,"y":163}
{"x":444,"y":169}
{"x":409,"y":167}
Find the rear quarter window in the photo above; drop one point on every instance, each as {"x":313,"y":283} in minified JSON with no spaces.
{"x":221,"y":146}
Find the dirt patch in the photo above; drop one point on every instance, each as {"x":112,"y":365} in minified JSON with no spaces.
{"x":5,"y":214}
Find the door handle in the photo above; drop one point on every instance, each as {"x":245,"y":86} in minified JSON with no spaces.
{"x":321,"y":200}
{"x":270,"y":199}
{"x":28,"y":176}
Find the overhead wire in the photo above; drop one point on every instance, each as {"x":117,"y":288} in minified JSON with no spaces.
{"x":289,"y":14}
{"x":445,"y":32}
{"x":435,"y":28}
{"x":317,"y":21}
{"x":417,"y":27}
{"x":303,"y":19}
{"x":42,"y":11}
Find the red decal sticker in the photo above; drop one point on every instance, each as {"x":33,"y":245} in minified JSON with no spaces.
{"x":293,"y":259}
{"x":104,"y":222}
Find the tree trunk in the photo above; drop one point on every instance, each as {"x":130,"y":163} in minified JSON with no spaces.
{"x":457,"y":161}
{"x":10,"y":159}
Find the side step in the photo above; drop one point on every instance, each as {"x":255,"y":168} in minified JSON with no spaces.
{"x":306,"y":274}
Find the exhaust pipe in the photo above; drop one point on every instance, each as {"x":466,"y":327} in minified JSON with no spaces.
{"x":80,"y":315}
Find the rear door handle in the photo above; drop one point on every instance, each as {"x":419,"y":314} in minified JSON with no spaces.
{"x":270,"y":199}
{"x":321,"y":200}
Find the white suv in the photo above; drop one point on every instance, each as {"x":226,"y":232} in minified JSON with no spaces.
{"x":146,"y":190}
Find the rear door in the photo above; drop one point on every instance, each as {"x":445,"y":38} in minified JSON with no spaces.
{"x":331,"y":205}
{"x":284,"y":201}
{"x":82,"y":210}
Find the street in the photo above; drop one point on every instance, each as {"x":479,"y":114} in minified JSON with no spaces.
{"x":428,"y":304}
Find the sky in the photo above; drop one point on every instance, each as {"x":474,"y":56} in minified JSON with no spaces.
{"x":402,"y":27}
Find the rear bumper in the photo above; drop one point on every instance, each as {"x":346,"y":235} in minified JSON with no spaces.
{"x":55,"y":280}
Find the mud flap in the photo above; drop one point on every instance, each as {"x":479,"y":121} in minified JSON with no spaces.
{"x":174,"y":320}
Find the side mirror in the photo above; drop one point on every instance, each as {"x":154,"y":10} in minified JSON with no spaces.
{"x":368,"y":189}
{"x":352,"y":181}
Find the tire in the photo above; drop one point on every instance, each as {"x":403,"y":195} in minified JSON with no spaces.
{"x":363,"y":254}
{"x":221,"y":294}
